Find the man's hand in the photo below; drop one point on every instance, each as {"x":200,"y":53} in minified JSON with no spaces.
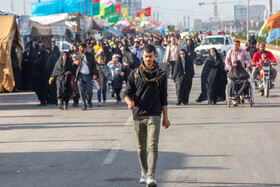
{"x":125,"y":64}
{"x":67,"y":73}
{"x":173,"y":81}
{"x":130,"y":104}
{"x":247,"y":69}
{"x":94,"y":77}
{"x":165,"y":123}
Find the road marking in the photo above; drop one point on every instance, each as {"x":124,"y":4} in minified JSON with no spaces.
{"x":111,"y":156}
{"x":113,"y":152}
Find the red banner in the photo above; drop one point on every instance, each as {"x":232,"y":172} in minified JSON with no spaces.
{"x":118,"y":8}
{"x":145,"y":11}
{"x":95,"y":1}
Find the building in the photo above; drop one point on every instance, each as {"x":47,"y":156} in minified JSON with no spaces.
{"x":132,"y":6}
{"x":256,"y":13}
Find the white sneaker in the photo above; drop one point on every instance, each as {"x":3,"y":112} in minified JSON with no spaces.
{"x":104,"y":103}
{"x":150,"y":182}
{"x":143,"y":177}
{"x":99,"y":104}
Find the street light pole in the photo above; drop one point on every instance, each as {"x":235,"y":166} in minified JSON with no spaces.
{"x":248,"y":21}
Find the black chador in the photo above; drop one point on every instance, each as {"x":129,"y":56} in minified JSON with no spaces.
{"x":51,"y":91}
{"x":213,"y":79}
{"x":61,"y":73}
{"x":182,"y":75}
{"x":39,"y":75}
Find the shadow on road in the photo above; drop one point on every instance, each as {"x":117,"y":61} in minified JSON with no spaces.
{"x":86,"y":168}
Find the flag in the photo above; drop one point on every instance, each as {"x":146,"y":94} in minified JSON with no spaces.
{"x":124,"y":12}
{"x":153,"y":22}
{"x":110,"y":10}
{"x":113,"y":19}
{"x":118,"y":8}
{"x":241,"y":22}
{"x":145,"y":11}
{"x":273,"y":22}
{"x":147,"y":27}
{"x":95,"y":7}
{"x":158,"y":24}
{"x":252,"y":21}
{"x":273,"y":35}
{"x":102,"y":11}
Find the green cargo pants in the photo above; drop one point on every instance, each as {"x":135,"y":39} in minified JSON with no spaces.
{"x":147,"y":136}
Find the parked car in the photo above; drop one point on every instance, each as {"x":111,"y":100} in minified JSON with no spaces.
{"x":222,"y":43}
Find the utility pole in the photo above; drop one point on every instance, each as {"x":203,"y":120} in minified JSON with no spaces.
{"x":184,"y":21}
{"x":248,"y":21}
{"x":188,"y":22}
{"x":157,"y":17}
{"x":270,"y":7}
{"x":24,"y":10}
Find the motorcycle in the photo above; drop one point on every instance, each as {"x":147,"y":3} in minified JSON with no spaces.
{"x":263,"y":83}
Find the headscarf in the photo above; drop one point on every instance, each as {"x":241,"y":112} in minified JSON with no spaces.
{"x":238,"y":72}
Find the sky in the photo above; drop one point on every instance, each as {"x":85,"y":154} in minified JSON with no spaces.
{"x":170,"y":11}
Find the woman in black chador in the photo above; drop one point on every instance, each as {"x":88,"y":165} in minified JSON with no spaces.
{"x":213,"y":79}
{"x":61,"y":73}
{"x":182,"y":75}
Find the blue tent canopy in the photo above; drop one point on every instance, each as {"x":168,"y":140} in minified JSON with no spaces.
{"x":61,"y":6}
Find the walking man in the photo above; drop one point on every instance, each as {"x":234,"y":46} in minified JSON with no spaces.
{"x":171,"y":54}
{"x":86,"y":71}
{"x":146,"y":96}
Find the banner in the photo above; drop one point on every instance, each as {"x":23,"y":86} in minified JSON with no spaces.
{"x":109,"y":11}
{"x":25,"y":26}
{"x":118,"y":8}
{"x":113,"y":19}
{"x":124,"y":12}
{"x":144,"y":12}
{"x":96,"y":7}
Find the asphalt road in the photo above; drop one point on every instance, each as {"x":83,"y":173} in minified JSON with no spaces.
{"x":205,"y":145}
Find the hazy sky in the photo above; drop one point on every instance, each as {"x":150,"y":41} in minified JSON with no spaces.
{"x":170,"y":11}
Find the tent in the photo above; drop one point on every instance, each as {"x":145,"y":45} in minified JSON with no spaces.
{"x":9,"y":35}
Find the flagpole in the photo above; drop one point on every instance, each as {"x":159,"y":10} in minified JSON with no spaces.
{"x":248,"y":21}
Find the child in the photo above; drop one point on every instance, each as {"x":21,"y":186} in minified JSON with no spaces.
{"x":104,"y":75}
{"x":117,"y":85}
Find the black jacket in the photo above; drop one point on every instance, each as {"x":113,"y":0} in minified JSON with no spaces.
{"x":149,"y":97}
{"x":90,"y":62}
{"x":117,"y":82}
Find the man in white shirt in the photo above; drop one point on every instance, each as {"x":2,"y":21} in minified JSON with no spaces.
{"x":171,"y":54}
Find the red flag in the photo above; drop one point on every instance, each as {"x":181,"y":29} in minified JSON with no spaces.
{"x":241,"y":22}
{"x":95,"y":1}
{"x":147,"y":27}
{"x":153,"y":21}
{"x":145,"y":11}
{"x":158,"y":24}
{"x":118,"y":8}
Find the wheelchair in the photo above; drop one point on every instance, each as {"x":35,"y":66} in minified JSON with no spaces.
{"x":230,"y":100}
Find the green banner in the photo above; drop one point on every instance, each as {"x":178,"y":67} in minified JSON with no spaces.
{"x":110,"y":11}
{"x":113,"y":19}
